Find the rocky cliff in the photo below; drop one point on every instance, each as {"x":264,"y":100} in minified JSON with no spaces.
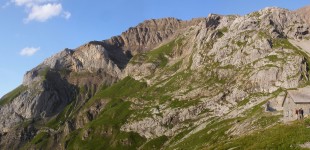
{"x":164,"y":84}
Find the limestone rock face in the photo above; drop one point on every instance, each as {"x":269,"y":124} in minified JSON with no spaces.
{"x":94,"y":58}
{"x":62,"y":60}
{"x":197,"y":70}
{"x":44,"y":99}
{"x":148,"y":34}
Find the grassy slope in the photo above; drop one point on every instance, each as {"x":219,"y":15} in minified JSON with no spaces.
{"x":104,"y":131}
{"x":12,"y":95}
{"x":212,"y":133}
{"x":216,"y":135}
{"x":155,"y":144}
{"x":278,"y":137}
{"x":158,"y":56}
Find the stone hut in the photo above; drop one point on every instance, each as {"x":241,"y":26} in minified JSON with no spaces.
{"x":296,"y":99}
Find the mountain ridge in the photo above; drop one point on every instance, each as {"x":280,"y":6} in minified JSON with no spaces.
{"x":163,"y":81}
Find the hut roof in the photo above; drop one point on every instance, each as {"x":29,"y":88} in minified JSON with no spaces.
{"x":301,"y":95}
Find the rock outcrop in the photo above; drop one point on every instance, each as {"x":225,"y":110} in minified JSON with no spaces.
{"x":43,"y":99}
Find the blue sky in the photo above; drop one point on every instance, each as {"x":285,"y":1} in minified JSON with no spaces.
{"x":32,"y":30}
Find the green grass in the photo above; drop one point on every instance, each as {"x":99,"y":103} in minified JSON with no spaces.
{"x":175,"y":67}
{"x":283,"y":43}
{"x":155,"y":144}
{"x":241,"y":44}
{"x":211,"y":134}
{"x":278,"y":137}
{"x":179,"y":136}
{"x":40,"y":141}
{"x":161,"y":93}
{"x":222,"y":31}
{"x":82,"y":90}
{"x":39,"y":138}
{"x":104,"y":131}
{"x":265,"y":121}
{"x":122,"y":89}
{"x":12,"y":95}
{"x":273,"y":58}
{"x":243,"y":102}
{"x":173,"y":84}
{"x":158,"y":55}
{"x":115,"y":113}
{"x":264,"y":34}
{"x":60,"y":118}
{"x":254,"y":110}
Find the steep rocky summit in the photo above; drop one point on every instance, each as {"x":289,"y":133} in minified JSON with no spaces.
{"x":165,"y":84}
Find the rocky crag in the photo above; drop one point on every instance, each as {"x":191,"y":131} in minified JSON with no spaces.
{"x":164,"y":84}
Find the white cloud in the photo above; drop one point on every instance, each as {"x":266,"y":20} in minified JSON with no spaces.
{"x":30,"y":3}
{"x":44,"y":12}
{"x":29,"y":51}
